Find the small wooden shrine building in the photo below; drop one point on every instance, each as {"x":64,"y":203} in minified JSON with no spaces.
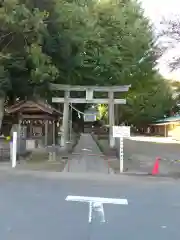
{"x":167,"y":127}
{"x":36,"y":122}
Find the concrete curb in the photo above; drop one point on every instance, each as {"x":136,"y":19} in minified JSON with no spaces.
{"x":147,"y":174}
{"x":97,"y":177}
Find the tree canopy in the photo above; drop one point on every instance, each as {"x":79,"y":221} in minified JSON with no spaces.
{"x":149,"y":104}
{"x":78,"y":42}
{"x":24,"y":65}
{"x":101,"y":42}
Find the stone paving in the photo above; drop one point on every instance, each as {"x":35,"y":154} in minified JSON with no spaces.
{"x":87,"y":157}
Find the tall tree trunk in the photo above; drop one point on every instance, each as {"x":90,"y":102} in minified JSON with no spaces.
{"x":2,"y":100}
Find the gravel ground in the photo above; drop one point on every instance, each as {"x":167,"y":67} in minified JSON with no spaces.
{"x":139,"y":156}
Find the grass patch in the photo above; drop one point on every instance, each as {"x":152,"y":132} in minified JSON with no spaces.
{"x":114,"y":164}
{"x":44,"y":166}
{"x":103,"y":136}
{"x":102,"y":142}
{"x":40,"y":161}
{"x":38,"y":158}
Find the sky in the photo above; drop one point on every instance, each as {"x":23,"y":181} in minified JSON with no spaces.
{"x":156,"y":10}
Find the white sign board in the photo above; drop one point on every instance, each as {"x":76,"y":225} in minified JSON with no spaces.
{"x":89,"y":118}
{"x":121,"y":131}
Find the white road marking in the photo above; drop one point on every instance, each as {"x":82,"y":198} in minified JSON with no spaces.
{"x":96,"y":205}
{"x":163,"y":227}
{"x":97,"y":199}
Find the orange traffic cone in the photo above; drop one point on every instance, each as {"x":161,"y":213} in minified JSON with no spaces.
{"x":155,"y":170}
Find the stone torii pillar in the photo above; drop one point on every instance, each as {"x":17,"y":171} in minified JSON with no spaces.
{"x":111,"y":119}
{"x":64,"y":136}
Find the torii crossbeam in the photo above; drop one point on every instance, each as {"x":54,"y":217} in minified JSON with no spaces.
{"x":89,"y":99}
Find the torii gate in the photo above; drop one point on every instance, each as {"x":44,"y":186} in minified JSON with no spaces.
{"x":89,"y":99}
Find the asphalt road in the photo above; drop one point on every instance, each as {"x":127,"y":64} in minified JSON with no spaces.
{"x":35,"y":209}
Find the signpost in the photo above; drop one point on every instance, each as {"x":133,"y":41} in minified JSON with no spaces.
{"x":121,"y":132}
{"x":96,"y":205}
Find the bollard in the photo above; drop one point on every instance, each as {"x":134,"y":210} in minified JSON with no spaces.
{"x":155,"y":170}
{"x":13,"y":150}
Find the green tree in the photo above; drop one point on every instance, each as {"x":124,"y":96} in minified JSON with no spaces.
{"x":24,"y":66}
{"x":101,"y":42}
{"x":104,"y":43}
{"x":74,"y":42}
{"x":148,"y":104}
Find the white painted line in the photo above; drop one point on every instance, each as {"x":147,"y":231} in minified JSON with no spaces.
{"x":86,"y":149}
{"x":96,"y":208}
{"x":90,"y":212}
{"x":97,"y":199}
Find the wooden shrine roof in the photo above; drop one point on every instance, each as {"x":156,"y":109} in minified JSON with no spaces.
{"x":33,"y":107}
